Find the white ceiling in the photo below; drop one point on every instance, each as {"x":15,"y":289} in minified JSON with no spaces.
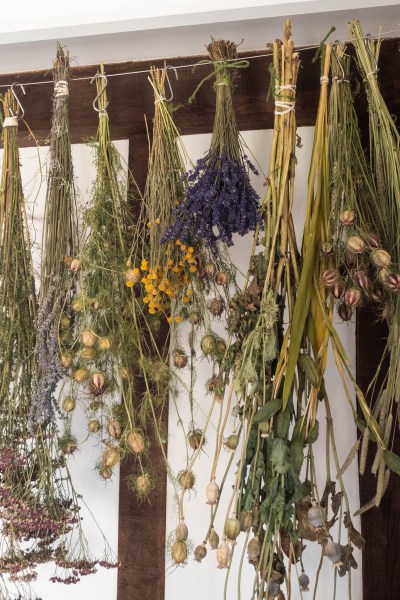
{"x":157,"y":28}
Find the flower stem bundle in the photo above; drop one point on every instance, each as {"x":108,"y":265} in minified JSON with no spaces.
{"x":98,"y":352}
{"x":219,"y":200}
{"x":385,"y":162}
{"x":59,"y":247}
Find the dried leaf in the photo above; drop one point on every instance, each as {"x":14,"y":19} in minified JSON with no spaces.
{"x":336,"y":502}
{"x":330,"y":488}
{"x":293,"y":550}
{"x":355,"y":536}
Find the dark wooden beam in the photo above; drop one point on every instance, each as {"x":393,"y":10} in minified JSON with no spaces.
{"x":131,"y":96}
{"x":380,"y":527}
{"x":142,"y":525}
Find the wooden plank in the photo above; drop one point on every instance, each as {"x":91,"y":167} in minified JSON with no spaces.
{"x":131,"y":96}
{"x":380,"y":527}
{"x":142,"y":525}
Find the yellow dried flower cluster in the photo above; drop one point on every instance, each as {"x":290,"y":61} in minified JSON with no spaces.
{"x":162,"y":284}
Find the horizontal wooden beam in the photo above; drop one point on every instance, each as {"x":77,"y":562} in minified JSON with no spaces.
{"x":131,"y":98}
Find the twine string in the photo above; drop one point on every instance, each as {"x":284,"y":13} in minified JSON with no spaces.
{"x":10,"y":122}
{"x":287,"y":106}
{"x":61,"y":89}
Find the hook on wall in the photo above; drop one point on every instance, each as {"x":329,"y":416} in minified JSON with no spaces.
{"x":21,"y":108}
{"x":171,"y":91}
{"x":95,"y":101}
{"x":339,"y":59}
{"x":369,"y":38}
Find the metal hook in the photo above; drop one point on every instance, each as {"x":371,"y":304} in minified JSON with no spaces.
{"x":370,"y":38}
{"x":169,"y":82}
{"x":105,"y":80}
{"x":21,"y":108}
{"x":339,"y":44}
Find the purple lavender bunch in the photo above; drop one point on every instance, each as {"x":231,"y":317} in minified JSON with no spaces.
{"x":219,"y":199}
{"x":219,"y":202}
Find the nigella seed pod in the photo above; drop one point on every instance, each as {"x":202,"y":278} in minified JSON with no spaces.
{"x":105,"y":472}
{"x":65,"y":322}
{"x":373,"y":240}
{"x":114,"y":429}
{"x":326,"y":248}
{"x":345,"y":312}
{"x":186,"y":479}
{"x":208,"y":344}
{"x":179,"y":358}
{"x":200,"y":553}
{"x":216,"y":306}
{"x":392,"y":281}
{"x":66,"y":359}
{"x":316,"y":515}
{"x":104,"y":344}
{"x":223,"y":556}
{"x":221,"y":278}
{"x":181,"y":532}
{"x":88,"y":338}
{"x":304,"y":582}
{"x":383,"y":274}
{"x":213,"y":539}
{"x":194,"y":318}
{"x":111,"y":456}
{"x":231,"y":442}
{"x":212,"y":493}
{"x":196,"y":439}
{"x":361,"y":279}
{"x":350,"y":259}
{"x":381,"y":258}
{"x":179,"y":552}
{"x":94,"y":426}
{"x":332,"y":551}
{"x":254,"y":550}
{"x":81,"y":375}
{"x":135,"y":442}
{"x":346,"y":217}
{"x":273,"y":588}
{"x":329,"y":277}
{"x":75,"y":265}
{"x":355,"y":244}
{"x":209,"y":270}
{"x":245,"y":520}
{"x":69,"y":404}
{"x":88,"y":354}
{"x":98,"y":381}
{"x":77,"y":305}
{"x":337,"y":290}
{"x":376,"y":296}
{"x":232,"y":529}
{"x":352,"y":297}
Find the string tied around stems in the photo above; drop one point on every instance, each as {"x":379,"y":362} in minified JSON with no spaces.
{"x":287,"y":106}
{"x":10,"y":122}
{"x":61,"y":89}
{"x":324,"y":79}
{"x":221,"y":72}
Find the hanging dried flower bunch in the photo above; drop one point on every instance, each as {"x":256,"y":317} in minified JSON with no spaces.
{"x":59,"y":251}
{"x":219,"y":199}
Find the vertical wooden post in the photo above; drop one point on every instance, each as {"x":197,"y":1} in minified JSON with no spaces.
{"x":380,"y":527}
{"x":141,"y":533}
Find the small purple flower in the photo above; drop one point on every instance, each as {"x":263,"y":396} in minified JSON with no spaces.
{"x":220,"y":201}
